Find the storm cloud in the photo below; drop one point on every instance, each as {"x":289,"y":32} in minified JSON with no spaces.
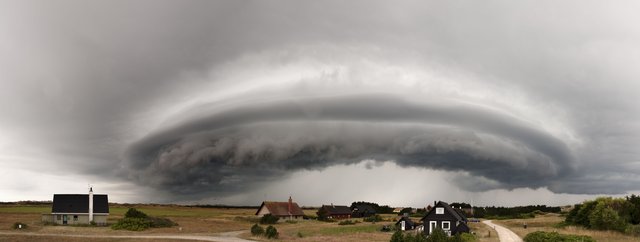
{"x":186,"y":101}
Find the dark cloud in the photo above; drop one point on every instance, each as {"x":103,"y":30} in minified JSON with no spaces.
{"x":266,"y":140}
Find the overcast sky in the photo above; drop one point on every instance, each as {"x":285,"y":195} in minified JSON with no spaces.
{"x":403,"y":103}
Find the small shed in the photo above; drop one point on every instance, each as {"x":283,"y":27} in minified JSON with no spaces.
{"x":405,"y":223}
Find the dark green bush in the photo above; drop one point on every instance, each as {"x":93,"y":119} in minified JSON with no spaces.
{"x":397,"y":237}
{"x":347,"y":222}
{"x":271,"y":232}
{"x":269,"y":219}
{"x":19,"y":225}
{"x":133,"y":224}
{"x":437,"y":235}
{"x":541,"y":236}
{"x":135,"y":213}
{"x":157,"y":222}
{"x":256,"y":230}
{"x":374,"y":218}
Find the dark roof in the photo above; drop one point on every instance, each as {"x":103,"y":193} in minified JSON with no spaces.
{"x":336,"y":210}
{"x":364,"y":208}
{"x":407,"y":220}
{"x":461,"y":214}
{"x":79,"y":203}
{"x":447,"y":209}
{"x":282,"y":208}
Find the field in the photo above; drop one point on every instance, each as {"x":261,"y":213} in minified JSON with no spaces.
{"x":549,"y":223}
{"x":203,"y":222}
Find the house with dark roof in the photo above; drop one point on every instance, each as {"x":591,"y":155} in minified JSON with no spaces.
{"x":283,"y":210}
{"x":405,"y":223}
{"x":335,"y":212}
{"x":78,"y":209}
{"x":444,"y":217}
{"x":362,"y":211}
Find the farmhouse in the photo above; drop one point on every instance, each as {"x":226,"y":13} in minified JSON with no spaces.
{"x":362,"y":211}
{"x":78,"y":209}
{"x":444,"y":217}
{"x":283,"y":210}
{"x":335,"y":212}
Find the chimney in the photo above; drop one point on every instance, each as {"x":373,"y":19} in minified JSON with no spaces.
{"x":332,"y":205}
{"x":290,"y":206}
{"x":90,"y":204}
{"x":435,"y":203}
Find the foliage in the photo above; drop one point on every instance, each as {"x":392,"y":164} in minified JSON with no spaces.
{"x":513,"y":212}
{"x":19,"y":225}
{"x":379,"y":209}
{"x":437,"y":235}
{"x":257,"y":230}
{"x":347,"y":222}
{"x":405,"y":210}
{"x":269,"y":219}
{"x":299,"y":235}
{"x":135,"y":213}
{"x":323,"y":215}
{"x":271,"y":232}
{"x":541,"y":236}
{"x":374,"y":218}
{"x":136,"y":220}
{"x":606,"y":213}
{"x":133,"y":224}
{"x":397,"y":237}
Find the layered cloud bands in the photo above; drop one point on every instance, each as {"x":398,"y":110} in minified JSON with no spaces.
{"x":234,"y":144}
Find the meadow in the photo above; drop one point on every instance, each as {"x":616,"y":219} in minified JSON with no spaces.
{"x":204,"y":221}
{"x":550,"y":223}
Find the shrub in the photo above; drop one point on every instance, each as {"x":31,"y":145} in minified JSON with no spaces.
{"x":541,"y":236}
{"x":135,"y":213}
{"x":347,"y":222}
{"x":19,"y":225}
{"x":271,"y":232}
{"x":374,"y":218}
{"x":256,"y":230}
{"x":437,"y":235}
{"x":157,"y":222}
{"x":299,"y":235}
{"x":397,"y":237}
{"x":133,"y":224}
{"x":269,"y":219}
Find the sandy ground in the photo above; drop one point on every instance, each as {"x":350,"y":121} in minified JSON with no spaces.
{"x":504,"y":234}
{"x":222,"y":237}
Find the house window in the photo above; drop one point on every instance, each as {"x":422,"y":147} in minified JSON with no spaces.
{"x":58,"y":217}
{"x":75,"y":217}
{"x":439,"y":210}
{"x":446,"y":225}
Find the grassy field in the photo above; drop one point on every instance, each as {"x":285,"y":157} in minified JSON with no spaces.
{"x":207,"y":221}
{"x":549,"y":223}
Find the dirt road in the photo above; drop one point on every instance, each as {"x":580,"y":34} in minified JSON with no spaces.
{"x":222,"y":237}
{"x":504,"y":234}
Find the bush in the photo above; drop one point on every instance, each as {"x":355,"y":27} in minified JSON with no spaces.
{"x":256,"y":230}
{"x":437,"y":235}
{"x":133,"y":224}
{"x":374,"y":218}
{"x":19,"y":225}
{"x":541,"y":236}
{"x":347,"y":222}
{"x":300,"y":235}
{"x":135,"y":213}
{"x":269,"y":219}
{"x":271,"y":232}
{"x":157,"y":222}
{"x":397,"y":237}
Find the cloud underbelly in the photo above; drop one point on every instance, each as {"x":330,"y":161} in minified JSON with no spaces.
{"x":240,"y":146}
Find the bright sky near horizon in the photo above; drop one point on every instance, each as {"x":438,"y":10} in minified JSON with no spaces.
{"x":403,"y":103}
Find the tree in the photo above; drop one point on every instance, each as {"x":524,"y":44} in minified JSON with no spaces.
{"x":269,"y":219}
{"x":256,"y":230}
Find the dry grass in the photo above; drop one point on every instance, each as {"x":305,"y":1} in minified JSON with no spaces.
{"x":29,"y":238}
{"x":547,"y":223}
{"x":483,"y":232}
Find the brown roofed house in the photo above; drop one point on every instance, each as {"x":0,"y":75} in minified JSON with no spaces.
{"x":283,"y":210}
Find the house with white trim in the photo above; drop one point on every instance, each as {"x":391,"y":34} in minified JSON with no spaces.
{"x":78,"y":209}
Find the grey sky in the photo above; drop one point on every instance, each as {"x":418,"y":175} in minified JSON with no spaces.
{"x":240,"y":101}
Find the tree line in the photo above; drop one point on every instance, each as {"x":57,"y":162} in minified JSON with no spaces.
{"x":607,"y":213}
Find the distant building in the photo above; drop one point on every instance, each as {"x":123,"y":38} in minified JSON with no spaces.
{"x":362,"y":211}
{"x":335,"y":212}
{"x":78,"y":209}
{"x":444,"y":217}
{"x":283,"y":210}
{"x":397,"y":210}
{"x":405,"y":223}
